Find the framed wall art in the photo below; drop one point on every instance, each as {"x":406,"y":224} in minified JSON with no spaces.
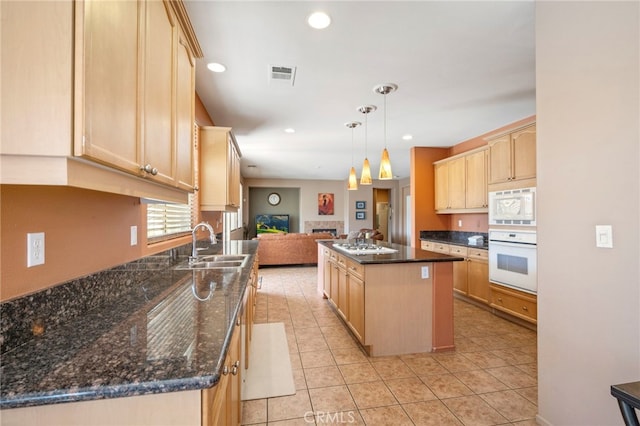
{"x":360,"y":215}
{"x":361,"y":205}
{"x":325,"y":203}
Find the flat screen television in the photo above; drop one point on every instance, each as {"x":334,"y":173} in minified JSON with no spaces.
{"x":272,"y":223}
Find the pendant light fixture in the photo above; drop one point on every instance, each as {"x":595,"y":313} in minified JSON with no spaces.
{"x":365,"y":177}
{"x":352,"y":184}
{"x":385,"y":163}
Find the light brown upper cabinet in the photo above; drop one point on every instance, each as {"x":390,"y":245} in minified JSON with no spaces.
{"x":107,"y":102}
{"x":461,"y":183}
{"x":219,"y":170}
{"x":512,"y":156}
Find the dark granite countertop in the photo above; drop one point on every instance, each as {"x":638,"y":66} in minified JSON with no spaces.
{"x":405,"y":254}
{"x":169,"y":331}
{"x":459,"y":238}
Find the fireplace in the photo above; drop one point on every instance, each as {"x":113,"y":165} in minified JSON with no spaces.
{"x":332,"y":231}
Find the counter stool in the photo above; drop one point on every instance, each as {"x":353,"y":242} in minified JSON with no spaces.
{"x":628,"y":395}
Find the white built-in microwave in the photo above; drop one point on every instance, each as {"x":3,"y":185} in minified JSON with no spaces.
{"x":513,"y":207}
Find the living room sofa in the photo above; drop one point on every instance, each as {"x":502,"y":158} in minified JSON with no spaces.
{"x":289,"y":248}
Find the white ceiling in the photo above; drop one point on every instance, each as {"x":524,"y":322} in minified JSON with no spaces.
{"x":463,"y":69}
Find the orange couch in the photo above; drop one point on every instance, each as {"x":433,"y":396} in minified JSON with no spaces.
{"x":289,"y":249}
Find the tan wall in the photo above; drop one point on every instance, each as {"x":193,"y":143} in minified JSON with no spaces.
{"x":588,"y":156}
{"x":85,"y":231}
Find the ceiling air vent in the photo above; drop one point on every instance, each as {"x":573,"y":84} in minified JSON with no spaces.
{"x":282,"y":74}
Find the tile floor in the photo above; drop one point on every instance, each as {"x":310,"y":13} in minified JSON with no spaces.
{"x":490,"y":379}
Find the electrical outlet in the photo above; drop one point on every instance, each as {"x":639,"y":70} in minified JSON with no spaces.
{"x":459,"y":223}
{"x":35,"y":249}
{"x":134,"y":235}
{"x":425,"y":272}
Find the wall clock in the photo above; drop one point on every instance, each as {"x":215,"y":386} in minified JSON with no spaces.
{"x":274,"y":199}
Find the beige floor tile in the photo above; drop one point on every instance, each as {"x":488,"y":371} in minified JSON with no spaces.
{"x":381,"y":416}
{"x":425,"y":365}
{"x":494,"y":358}
{"x":371,"y":394}
{"x":288,"y":407}
{"x":298,"y":379}
{"x":513,"y":377}
{"x":446,"y":386}
{"x":351,"y":355}
{"x":480,"y":381}
{"x":530,"y":393}
{"x":359,"y":373}
{"x":392,"y":368}
{"x":319,"y":377}
{"x":410,"y":389}
{"x":350,"y":418}
{"x":316,"y":359}
{"x":473,"y":410}
{"x":254,"y":411}
{"x":430,"y":413}
{"x":455,"y":362}
{"x":331,"y":399}
{"x":512,"y":406}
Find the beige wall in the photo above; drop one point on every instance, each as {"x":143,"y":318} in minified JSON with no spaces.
{"x":587,"y":72}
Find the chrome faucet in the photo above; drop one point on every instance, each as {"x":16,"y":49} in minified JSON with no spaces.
{"x":212,"y":237}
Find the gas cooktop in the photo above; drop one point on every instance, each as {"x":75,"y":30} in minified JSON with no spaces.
{"x":363,"y":248}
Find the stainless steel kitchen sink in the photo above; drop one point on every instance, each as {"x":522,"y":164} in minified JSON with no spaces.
{"x":216,"y":261}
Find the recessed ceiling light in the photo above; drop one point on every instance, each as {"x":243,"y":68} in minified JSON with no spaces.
{"x":289,"y":130}
{"x":407,"y":137}
{"x":216,"y":67}
{"x":319,"y":20}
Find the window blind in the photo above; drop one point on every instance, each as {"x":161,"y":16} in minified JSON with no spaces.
{"x":164,"y":220}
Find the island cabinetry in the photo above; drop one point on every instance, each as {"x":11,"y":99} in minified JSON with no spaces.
{"x":219,"y":170}
{"x":478,"y":274}
{"x":110,"y":100}
{"x":389,"y":307}
{"x":512,"y":156}
{"x":461,"y":182}
{"x":517,"y":303}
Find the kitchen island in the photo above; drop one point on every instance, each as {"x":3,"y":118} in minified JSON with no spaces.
{"x":395,"y":299}
{"x":159,"y":335}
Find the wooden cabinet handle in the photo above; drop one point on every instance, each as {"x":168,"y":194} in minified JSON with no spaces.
{"x":500,"y":299}
{"x":524,"y":308}
{"x":225,"y":370}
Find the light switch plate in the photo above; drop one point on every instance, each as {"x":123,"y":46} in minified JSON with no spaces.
{"x":134,"y":235}
{"x":604,"y":236}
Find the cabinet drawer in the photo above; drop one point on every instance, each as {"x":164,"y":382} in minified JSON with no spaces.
{"x":521,"y":305}
{"x":354,"y":268}
{"x":342,"y":261}
{"x":458,"y":250}
{"x":441,"y":248}
{"x":426,"y":245}
{"x":474,"y":253}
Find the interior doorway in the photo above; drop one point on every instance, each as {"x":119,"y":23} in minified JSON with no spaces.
{"x":382,"y":212}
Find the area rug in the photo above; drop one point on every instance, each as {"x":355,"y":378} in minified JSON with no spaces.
{"x":269,"y":373}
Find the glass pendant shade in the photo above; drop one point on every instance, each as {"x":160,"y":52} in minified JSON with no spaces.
{"x":365,"y":177}
{"x":352,"y":184}
{"x":385,"y":166}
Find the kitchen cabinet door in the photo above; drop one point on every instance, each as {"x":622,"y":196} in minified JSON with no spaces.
{"x":476,"y":180}
{"x":107,"y":115}
{"x":356,"y":306}
{"x":157,"y":134}
{"x":219,"y":170}
{"x":524,"y":153}
{"x":478,"y":275}
{"x":441,"y":179}
{"x":456,"y":183}
{"x":185,"y":112}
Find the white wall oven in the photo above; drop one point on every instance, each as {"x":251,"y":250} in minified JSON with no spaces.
{"x":513,"y":259}
{"x":513,"y":207}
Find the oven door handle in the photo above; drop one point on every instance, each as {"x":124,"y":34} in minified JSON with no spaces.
{"x":510,"y":244}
